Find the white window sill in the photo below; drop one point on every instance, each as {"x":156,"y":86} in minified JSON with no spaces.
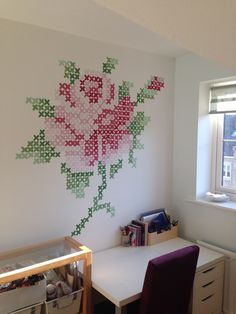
{"x":229,"y":205}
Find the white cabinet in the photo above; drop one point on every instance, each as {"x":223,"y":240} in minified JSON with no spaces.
{"x":208,"y":290}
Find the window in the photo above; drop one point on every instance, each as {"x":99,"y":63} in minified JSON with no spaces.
{"x":223,"y":102}
{"x":227,"y":171}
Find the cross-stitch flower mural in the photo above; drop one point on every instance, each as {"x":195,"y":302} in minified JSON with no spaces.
{"x":92,"y":124}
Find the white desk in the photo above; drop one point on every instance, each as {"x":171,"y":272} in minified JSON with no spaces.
{"x":118,"y":273}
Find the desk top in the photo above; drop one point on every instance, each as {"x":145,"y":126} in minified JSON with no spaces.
{"x":118,"y":273}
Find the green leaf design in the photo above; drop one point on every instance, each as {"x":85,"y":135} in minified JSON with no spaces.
{"x":101,"y":188}
{"x":109,"y":65}
{"x":97,"y":206}
{"x":138,"y":123}
{"x":132,"y":160}
{"x":91,"y":211}
{"x":146,"y":93}
{"x":41,"y":105}
{"x":71,"y":72}
{"x":76,"y":182}
{"x":101,"y":168}
{"x":137,"y":144}
{"x":115,"y":168}
{"x":136,"y":127}
{"x":124,"y":89}
{"x":39,"y":149}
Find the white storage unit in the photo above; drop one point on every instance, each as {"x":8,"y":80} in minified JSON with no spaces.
{"x":22,"y":297}
{"x":68,"y":304}
{"x":208,"y":290}
{"x":34,"y":309}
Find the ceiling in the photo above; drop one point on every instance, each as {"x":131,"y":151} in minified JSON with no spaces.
{"x":88,"y":19}
{"x":205,"y":27}
{"x":166,"y":27}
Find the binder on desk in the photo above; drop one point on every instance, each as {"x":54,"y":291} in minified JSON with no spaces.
{"x":150,"y":215}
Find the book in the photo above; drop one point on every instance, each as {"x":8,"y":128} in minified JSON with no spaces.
{"x":136,"y":234}
{"x":144,"y":230}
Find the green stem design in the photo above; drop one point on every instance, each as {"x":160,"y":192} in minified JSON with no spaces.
{"x":96,"y":206}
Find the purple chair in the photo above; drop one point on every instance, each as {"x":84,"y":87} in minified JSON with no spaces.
{"x":168,"y":282}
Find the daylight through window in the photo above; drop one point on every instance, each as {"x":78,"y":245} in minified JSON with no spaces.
{"x":223,"y":102}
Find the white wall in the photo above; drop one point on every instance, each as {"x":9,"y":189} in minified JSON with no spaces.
{"x":196,"y":222}
{"x":35,"y":204}
{"x":205,"y":27}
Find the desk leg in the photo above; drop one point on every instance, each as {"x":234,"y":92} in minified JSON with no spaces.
{"x":121,"y":310}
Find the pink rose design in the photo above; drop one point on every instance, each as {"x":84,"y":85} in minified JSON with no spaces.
{"x":89,"y":124}
{"x":90,"y":127}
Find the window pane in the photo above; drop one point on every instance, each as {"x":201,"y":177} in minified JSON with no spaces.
{"x":230,"y":126}
{"x":229,"y":152}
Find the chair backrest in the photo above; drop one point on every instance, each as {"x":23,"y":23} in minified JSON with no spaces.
{"x":168,"y":282}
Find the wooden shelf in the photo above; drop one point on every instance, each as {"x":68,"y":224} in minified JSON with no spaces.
{"x":34,"y":259}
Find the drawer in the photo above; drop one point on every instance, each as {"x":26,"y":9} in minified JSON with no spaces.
{"x":210,"y":274}
{"x":208,"y":290}
{"x":211,"y":288}
{"x":209,"y":305}
{"x":34,"y":309}
{"x":15,"y":299}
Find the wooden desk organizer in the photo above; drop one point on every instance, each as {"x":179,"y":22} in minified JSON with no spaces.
{"x":154,"y":238}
